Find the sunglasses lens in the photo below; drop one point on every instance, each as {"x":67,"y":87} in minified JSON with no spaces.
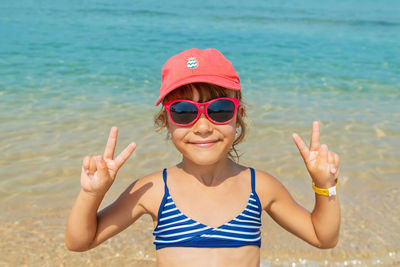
{"x":183,"y":112}
{"x":221,"y":110}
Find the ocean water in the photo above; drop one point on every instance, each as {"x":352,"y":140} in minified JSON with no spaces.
{"x":69,"y":70}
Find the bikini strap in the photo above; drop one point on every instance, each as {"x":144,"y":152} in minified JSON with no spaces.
{"x":164,"y":199}
{"x":165,"y":181}
{"x":253,"y":180}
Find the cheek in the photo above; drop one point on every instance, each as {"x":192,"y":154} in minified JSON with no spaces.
{"x":177,"y":137}
{"x":234,"y":124}
{"x":229,"y":130}
{"x":171,"y":127}
{"x":176,"y":132}
{"x":232,"y":132}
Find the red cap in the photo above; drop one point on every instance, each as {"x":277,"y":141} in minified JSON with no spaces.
{"x":197,"y":66}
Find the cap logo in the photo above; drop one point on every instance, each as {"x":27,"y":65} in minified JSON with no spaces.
{"x":192,"y":63}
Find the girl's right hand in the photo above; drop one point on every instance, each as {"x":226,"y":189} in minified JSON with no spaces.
{"x":99,"y":172}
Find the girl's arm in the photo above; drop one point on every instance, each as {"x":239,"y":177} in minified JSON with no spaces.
{"x":85,"y":227}
{"x":320,"y":227}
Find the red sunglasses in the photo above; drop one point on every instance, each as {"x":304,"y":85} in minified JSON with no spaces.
{"x":183,"y":112}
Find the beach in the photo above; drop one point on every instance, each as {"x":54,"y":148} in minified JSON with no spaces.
{"x":69,"y":72}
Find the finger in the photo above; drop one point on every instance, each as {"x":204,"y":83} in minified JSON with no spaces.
{"x":336,"y":175}
{"x":331,"y":161}
{"x":323,"y":154}
{"x":92,"y":165}
{"x":86,"y":163}
{"x":102,"y":170}
{"x":314,"y":144}
{"x":331,"y":157}
{"x":124,"y":155}
{"x":111,"y":143}
{"x":303,"y":149}
{"x":336,"y":161}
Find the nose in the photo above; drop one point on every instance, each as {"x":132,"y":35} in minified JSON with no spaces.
{"x":202,"y":125}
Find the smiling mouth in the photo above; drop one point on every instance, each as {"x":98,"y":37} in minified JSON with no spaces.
{"x":204,"y":144}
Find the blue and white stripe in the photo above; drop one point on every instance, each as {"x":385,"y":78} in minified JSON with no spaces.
{"x":176,"y":229}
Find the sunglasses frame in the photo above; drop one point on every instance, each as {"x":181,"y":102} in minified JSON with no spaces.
{"x":202,"y":108}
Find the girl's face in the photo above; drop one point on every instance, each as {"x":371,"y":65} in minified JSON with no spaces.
{"x":203,"y":143}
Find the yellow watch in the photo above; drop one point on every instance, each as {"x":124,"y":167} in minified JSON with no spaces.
{"x":331,"y":191}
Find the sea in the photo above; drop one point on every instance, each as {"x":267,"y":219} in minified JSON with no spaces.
{"x":70,"y":70}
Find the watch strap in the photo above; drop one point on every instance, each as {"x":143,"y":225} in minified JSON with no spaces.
{"x":331,"y":191}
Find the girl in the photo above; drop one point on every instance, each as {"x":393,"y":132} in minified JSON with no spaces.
{"x":206,"y":209}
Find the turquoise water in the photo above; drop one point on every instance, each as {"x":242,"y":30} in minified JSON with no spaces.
{"x":117,"y":49}
{"x":69,"y":70}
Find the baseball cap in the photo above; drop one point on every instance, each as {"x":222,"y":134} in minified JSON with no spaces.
{"x":197,"y":66}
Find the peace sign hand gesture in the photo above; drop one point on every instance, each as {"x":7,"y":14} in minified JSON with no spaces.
{"x":321,"y":163}
{"x":99,"y":172}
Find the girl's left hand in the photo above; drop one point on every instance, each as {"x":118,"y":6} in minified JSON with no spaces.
{"x":321,"y":163}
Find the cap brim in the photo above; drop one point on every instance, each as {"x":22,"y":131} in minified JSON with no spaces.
{"x":217,"y":80}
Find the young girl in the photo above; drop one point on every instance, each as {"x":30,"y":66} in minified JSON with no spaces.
{"x":206,"y":209}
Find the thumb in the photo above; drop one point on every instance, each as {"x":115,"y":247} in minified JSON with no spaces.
{"x":102,"y":169}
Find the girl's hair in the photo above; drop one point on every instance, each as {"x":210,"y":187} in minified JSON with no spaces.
{"x":206,"y":92}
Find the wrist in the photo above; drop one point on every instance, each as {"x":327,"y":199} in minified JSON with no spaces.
{"x":91,"y":196}
{"x":325,"y":184}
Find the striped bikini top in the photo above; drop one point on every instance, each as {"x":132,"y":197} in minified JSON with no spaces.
{"x":175,"y":229}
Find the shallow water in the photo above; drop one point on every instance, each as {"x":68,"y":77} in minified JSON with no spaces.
{"x":69,"y":71}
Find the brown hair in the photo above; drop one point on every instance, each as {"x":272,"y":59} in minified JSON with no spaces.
{"x":206,"y":92}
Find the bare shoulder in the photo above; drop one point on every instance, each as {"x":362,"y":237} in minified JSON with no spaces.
{"x":146,"y":192}
{"x":268,"y":188}
{"x":152,"y":181}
